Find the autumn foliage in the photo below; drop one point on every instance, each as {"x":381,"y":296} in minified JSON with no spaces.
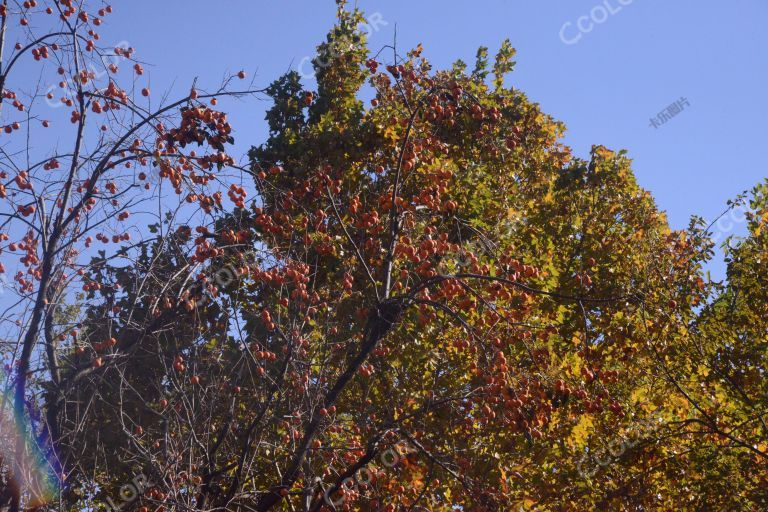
{"x":425,"y":303}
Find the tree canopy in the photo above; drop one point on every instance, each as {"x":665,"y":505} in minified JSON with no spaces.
{"x":429,"y":303}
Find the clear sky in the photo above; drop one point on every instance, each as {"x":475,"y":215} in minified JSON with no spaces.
{"x":604,"y":67}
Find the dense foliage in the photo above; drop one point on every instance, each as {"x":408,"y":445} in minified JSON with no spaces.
{"x":429,"y":304}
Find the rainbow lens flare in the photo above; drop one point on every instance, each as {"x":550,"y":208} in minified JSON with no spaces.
{"x":36,"y":474}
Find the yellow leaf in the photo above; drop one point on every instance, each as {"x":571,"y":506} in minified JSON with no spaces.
{"x":580,"y":432}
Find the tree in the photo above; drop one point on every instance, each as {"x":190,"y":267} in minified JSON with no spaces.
{"x":60,"y":197}
{"x":429,"y":304}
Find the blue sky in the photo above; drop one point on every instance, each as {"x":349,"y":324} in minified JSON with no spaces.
{"x":629,"y":60}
